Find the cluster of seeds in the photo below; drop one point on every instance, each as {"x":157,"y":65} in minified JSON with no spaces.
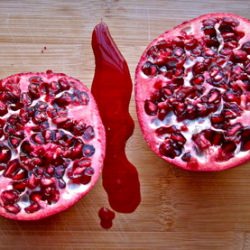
{"x":204,"y":82}
{"x":43,"y":147}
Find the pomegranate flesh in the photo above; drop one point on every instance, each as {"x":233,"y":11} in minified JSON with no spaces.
{"x":192,"y":93}
{"x":51,"y":147}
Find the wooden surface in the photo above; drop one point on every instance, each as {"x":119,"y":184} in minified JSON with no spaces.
{"x":179,"y":210}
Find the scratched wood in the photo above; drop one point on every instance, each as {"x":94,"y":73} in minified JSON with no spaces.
{"x":179,"y":210}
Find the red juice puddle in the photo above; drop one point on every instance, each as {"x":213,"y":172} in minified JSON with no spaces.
{"x":112,"y":88}
{"x":106,"y":216}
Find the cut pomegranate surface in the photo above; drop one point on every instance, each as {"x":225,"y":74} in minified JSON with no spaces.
{"x":192,"y":93}
{"x":51,"y":147}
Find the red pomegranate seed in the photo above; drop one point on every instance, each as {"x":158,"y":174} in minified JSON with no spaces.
{"x":14,"y":209}
{"x":150,"y":108}
{"x":230,"y":21}
{"x":32,"y":208}
{"x":5,"y":154}
{"x":197,"y":80}
{"x":246,"y":47}
{"x":186,"y":157}
{"x":239,"y":56}
{"x":11,"y":169}
{"x":201,"y":141}
{"x":9,"y":197}
{"x":149,"y":69}
{"x":214,"y":96}
{"x":168,"y":148}
{"x":231,"y":96}
{"x":199,"y":68}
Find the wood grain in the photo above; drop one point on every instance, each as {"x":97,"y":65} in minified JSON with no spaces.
{"x":179,"y":210}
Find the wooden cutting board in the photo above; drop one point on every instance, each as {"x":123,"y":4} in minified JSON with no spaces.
{"x":179,"y":210}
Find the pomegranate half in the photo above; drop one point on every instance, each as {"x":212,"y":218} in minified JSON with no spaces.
{"x":52,"y":144}
{"x":192,"y":93}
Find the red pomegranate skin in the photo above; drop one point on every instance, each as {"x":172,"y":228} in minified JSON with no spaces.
{"x":192,"y":93}
{"x":112,"y":87}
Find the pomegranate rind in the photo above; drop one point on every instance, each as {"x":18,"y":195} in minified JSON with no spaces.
{"x":144,"y":87}
{"x":68,"y":198}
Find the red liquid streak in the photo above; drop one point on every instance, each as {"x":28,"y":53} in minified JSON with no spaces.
{"x":112,"y":87}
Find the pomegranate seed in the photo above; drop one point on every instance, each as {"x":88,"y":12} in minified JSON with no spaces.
{"x":38,"y":138}
{"x":65,"y":123}
{"x":228,"y":147}
{"x":83,"y":162}
{"x":5,"y":154}
{"x":199,"y":68}
{"x":32,"y":208}
{"x":190,"y":43}
{"x":246,"y":47}
{"x":217,"y":118}
{"x":64,"y":84}
{"x":169,"y":149}
{"x":80,"y":97}
{"x":26,"y":147}
{"x":211,"y":42}
{"x":89,"y":171}
{"x":165,"y":130}
{"x":64,"y":100}
{"x":25,"y":99}
{"x":215,"y":137}
{"x":150,"y":108}
{"x":14,"y":209}
{"x":149,"y":69}
{"x":190,"y":112}
{"x":178,"y":51}
{"x":61,"y":183}
{"x":53,"y":88}
{"x":84,"y":179}
{"x":209,"y":22}
{"x":230,"y":21}
{"x":11,"y":169}
{"x":34,"y":90}
{"x":36,"y":196}
{"x":186,"y":157}
{"x":178,"y":137}
{"x":88,"y":133}
{"x":33,"y":181}
{"x":179,"y":81}
{"x":9,"y":197}
{"x":214,"y":96}
{"x":202,"y":109}
{"x":21,"y":174}
{"x":197,"y":80}
{"x":35,"y":79}
{"x":47,"y":181}
{"x":39,"y":117}
{"x":231,"y":96}
{"x":239,"y":56}
{"x":59,"y":171}
{"x":19,"y":185}
{"x":88,"y":150}
{"x":209,"y":30}
{"x":234,"y":129}
{"x":50,"y":170}
{"x":201,"y":141}
{"x":79,"y":128}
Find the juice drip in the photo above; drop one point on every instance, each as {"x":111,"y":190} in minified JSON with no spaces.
{"x":112,"y":88}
